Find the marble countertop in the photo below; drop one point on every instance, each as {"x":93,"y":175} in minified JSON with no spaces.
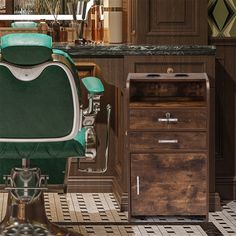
{"x":108,"y":50}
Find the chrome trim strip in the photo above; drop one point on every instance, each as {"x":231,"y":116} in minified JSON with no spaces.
{"x":167,"y":141}
{"x":167,"y":119}
{"x":76,"y":105}
{"x":26,"y":74}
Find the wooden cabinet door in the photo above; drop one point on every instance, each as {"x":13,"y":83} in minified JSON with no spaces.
{"x":169,"y":21}
{"x":169,"y":184}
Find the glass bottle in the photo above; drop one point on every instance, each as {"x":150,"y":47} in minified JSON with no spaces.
{"x":97,"y":21}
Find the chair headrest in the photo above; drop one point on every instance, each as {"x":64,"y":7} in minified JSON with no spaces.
{"x":26,"y":48}
{"x":24,"y":24}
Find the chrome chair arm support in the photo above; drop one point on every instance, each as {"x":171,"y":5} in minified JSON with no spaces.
{"x":91,"y":157}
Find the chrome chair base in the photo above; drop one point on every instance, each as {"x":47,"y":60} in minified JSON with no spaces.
{"x":25,"y":229}
{"x":30,"y":219}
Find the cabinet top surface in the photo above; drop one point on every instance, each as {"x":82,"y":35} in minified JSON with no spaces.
{"x":157,"y":77}
{"x":104,"y":50}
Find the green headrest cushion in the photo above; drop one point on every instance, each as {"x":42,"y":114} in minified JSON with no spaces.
{"x":26,"y":48}
{"x":24,"y":24}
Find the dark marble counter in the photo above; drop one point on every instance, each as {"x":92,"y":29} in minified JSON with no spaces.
{"x":103,"y":50}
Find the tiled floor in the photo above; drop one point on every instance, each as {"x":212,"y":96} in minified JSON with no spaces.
{"x":98,"y":214}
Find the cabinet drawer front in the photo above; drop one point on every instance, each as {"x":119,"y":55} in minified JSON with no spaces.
{"x":169,"y":184}
{"x":167,"y":140}
{"x":167,"y":119}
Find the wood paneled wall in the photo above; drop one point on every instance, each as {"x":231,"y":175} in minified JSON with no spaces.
{"x":226,"y":117}
{"x":166,"y":21}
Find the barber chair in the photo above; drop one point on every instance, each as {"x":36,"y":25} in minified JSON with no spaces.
{"x":42,"y":121}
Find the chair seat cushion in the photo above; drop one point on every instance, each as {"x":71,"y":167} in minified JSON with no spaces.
{"x":64,"y":149}
{"x":54,"y":168}
{"x":11,"y":155}
{"x":26,"y":48}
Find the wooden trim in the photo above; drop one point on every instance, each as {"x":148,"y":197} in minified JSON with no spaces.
{"x":90,"y":184}
{"x":227,"y":185}
{"x":214,"y":202}
{"x":121,"y":197}
{"x":230,"y":41}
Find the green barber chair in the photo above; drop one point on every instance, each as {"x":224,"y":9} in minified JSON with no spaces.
{"x":42,"y":123}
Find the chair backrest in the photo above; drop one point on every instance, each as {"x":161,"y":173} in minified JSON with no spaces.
{"x":38,"y":96}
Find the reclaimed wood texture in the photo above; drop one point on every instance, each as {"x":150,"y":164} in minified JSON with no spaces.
{"x":181,"y":64}
{"x":168,"y":166}
{"x":149,"y":119}
{"x":149,"y":141}
{"x":170,"y":184}
{"x":167,"y":91}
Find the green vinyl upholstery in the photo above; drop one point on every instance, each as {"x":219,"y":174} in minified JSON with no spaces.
{"x":93,"y":85}
{"x":38,"y":109}
{"x":24,"y":24}
{"x":17,"y":50}
{"x":25,"y":113}
{"x":64,"y":54}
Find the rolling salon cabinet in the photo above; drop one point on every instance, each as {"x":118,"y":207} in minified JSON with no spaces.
{"x":168,"y":144}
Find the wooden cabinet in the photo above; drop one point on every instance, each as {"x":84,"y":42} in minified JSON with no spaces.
{"x":167,"y":22}
{"x":177,"y":64}
{"x":168,"y":144}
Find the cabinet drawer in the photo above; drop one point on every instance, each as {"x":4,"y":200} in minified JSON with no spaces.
{"x":169,"y":184}
{"x":167,"y":140}
{"x":144,"y":119}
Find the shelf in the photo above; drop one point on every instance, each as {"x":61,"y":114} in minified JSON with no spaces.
{"x":164,"y":104}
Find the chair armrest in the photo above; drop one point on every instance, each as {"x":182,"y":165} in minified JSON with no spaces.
{"x":93,"y":85}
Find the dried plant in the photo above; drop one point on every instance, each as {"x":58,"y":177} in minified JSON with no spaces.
{"x":53,"y":7}
{"x":40,"y":7}
{"x":72,"y":7}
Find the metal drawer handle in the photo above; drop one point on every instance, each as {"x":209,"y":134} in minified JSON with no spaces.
{"x":168,"y":141}
{"x":167,"y":119}
{"x":137,"y":179}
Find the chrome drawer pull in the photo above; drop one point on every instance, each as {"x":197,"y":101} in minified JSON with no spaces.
{"x":167,"y":119}
{"x":137,"y":179}
{"x":167,"y":141}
